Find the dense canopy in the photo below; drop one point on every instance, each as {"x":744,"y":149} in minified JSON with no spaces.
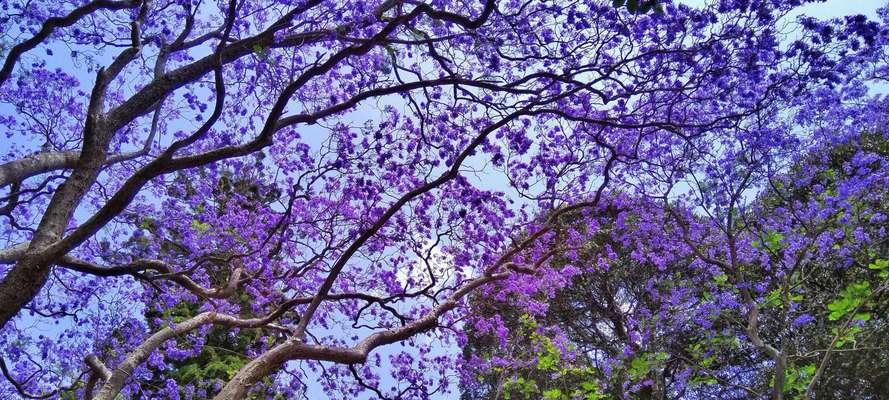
{"x":418,"y":199}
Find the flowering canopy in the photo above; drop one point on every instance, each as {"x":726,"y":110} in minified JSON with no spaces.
{"x":316,"y":186}
{"x":654,"y":305}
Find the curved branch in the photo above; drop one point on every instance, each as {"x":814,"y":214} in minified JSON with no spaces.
{"x":52,"y":24}
{"x":122,"y":372}
{"x":294,"y":349}
{"x":40,"y":163}
{"x":98,"y":367}
{"x":138,"y":267}
{"x":21,"y":169}
{"x":450,"y":174}
{"x":19,"y":387}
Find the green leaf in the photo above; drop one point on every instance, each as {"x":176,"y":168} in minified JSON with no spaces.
{"x":773,"y":241}
{"x":546,"y":362}
{"x":553,"y":394}
{"x":199,"y":226}
{"x":796,"y":379}
{"x":879,"y":265}
{"x":549,"y":356}
{"x":639,"y":367}
{"x":702,"y":381}
{"x":525,"y":387}
{"x":846,"y":336}
{"x":863,"y":317}
{"x":708,"y":362}
{"x":773,"y":299}
{"x":591,"y":390}
{"x":850,"y":298}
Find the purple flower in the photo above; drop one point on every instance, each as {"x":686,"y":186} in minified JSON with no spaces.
{"x":803,"y":320}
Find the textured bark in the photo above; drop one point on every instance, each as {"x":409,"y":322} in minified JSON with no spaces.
{"x":780,"y":366}
{"x":18,"y":170}
{"x":294,"y":349}
{"x":13,"y":253}
{"x":30,"y":272}
{"x":116,"y":379}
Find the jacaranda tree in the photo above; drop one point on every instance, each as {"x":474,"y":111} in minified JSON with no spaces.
{"x":318,"y":185}
{"x":648,"y":308}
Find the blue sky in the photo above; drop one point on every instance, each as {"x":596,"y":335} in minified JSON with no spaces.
{"x":828,"y":9}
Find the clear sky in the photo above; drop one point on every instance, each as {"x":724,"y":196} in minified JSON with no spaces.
{"x":827,"y":9}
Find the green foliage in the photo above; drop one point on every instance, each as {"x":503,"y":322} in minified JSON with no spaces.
{"x":548,"y":357}
{"x":797,"y":378}
{"x":261,"y":52}
{"x":773,"y":241}
{"x":553,"y":394}
{"x":843,"y":285}
{"x":776,"y":298}
{"x":642,"y":365}
{"x":702,"y":380}
{"x":201,"y":227}
{"x":845,"y":336}
{"x":554,"y":378}
{"x":881,"y":266}
{"x":850,"y":299}
{"x":521,"y":386}
{"x":213,"y":363}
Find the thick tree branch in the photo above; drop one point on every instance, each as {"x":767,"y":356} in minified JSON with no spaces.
{"x":294,"y":349}
{"x":40,"y":163}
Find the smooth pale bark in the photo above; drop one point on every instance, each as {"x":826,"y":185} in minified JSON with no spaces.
{"x":118,"y":378}
{"x":13,"y":253}
{"x":19,"y":170}
{"x":41,"y":163}
{"x":294,"y":349}
{"x":98,"y":367}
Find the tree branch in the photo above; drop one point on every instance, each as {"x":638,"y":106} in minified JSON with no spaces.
{"x":52,"y":24}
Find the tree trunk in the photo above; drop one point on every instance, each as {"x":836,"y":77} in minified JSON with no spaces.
{"x":30,"y":272}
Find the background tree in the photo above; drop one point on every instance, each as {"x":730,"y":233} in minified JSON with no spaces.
{"x":221,"y":352}
{"x":629,"y":315}
{"x":779,"y":252}
{"x":836,"y":197}
{"x":646,"y":309}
